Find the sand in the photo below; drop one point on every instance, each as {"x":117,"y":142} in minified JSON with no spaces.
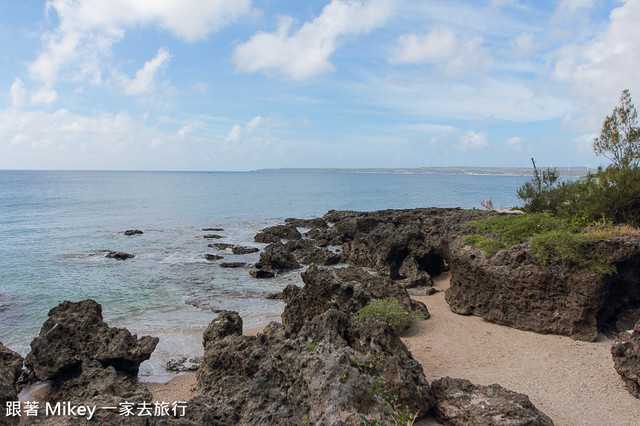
{"x":572,"y":382}
{"x":180,"y":388}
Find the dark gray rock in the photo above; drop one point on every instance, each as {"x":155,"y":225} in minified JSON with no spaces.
{"x":233,"y":264}
{"x":306,"y":252}
{"x":276,"y":233}
{"x":316,"y":222}
{"x":404,"y":245}
{"x":274,"y":258}
{"x":119,"y":255}
{"x":227,"y":323}
{"x":244,"y":250}
{"x":459,"y":402}
{"x":262,"y":271}
{"x":74,"y":333}
{"x":323,"y":375}
{"x":287,"y":294}
{"x":212,"y":236}
{"x":89,"y":363}
{"x":220,"y":246}
{"x":130,"y":232}
{"x":183,"y":364}
{"x":514,"y":288}
{"x":212,"y":229}
{"x":626,"y":358}
{"x":213,"y":257}
{"x":10,"y":370}
{"x":344,"y":289}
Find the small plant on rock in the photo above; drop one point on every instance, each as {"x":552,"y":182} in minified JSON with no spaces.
{"x":389,"y":311}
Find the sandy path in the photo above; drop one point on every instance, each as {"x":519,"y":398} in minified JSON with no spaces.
{"x":573,"y":382}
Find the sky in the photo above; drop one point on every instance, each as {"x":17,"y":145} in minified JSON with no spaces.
{"x":251,"y":84}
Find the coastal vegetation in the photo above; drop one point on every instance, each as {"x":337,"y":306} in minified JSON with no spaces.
{"x":389,"y":311}
{"x":611,"y":193}
{"x":566,"y":218}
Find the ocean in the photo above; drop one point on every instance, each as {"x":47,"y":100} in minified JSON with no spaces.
{"x":56,"y":227}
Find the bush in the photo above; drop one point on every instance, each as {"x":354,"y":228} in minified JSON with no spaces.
{"x":515,"y":229}
{"x":575,"y":248}
{"x":540,"y":193}
{"x":488,"y":245}
{"x":612,"y":193}
{"x":549,"y":237}
{"x":389,"y":311}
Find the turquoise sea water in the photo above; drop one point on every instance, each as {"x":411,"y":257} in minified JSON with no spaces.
{"x":55,"y":227}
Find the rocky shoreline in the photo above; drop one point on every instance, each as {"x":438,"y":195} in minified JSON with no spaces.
{"x":327,"y":364}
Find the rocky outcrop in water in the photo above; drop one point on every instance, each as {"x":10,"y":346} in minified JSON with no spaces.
{"x":404,"y":245}
{"x":10,"y":370}
{"x":514,"y":288}
{"x":212,"y":236}
{"x":213,"y":257}
{"x":275,"y":234}
{"x":244,"y":250}
{"x":88,"y":361}
{"x":130,"y":232}
{"x":232,"y":265}
{"x":220,"y":246}
{"x":74,"y":333}
{"x":459,"y":403}
{"x":119,"y":255}
{"x":275,"y":258}
{"x":626,"y":358}
{"x":305,"y":251}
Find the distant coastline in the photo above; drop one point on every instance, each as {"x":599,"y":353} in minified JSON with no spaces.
{"x":498,"y":171}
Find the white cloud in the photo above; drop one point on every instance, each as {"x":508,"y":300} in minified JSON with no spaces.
{"x":572,"y":6}
{"x":189,"y":20}
{"x":523,"y":44}
{"x":452,"y":56}
{"x":144,"y":79}
{"x":45,"y":96}
{"x":63,"y":139}
{"x":502,"y":3}
{"x":305,"y":53}
{"x":584,"y":143}
{"x":240,"y":134}
{"x":87,"y":30}
{"x":431,"y":128}
{"x":18,"y":93}
{"x":607,"y":64}
{"x":472,"y":141}
{"x":436,"y":46}
{"x":515,"y":144}
{"x":505,"y":99}
{"x":200,"y":87}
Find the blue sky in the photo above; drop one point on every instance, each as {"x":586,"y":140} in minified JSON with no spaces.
{"x":250,"y":84}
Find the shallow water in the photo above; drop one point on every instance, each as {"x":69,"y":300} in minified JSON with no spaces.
{"x":56,"y":227}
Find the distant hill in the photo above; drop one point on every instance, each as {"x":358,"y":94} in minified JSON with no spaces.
{"x":511,"y":171}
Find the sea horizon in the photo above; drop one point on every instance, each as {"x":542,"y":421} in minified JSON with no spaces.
{"x":568,"y":171}
{"x":57,"y":226}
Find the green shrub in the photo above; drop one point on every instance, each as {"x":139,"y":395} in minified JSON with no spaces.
{"x":549,"y":237}
{"x":488,"y":245}
{"x":575,"y":248}
{"x":539,"y":194}
{"x":515,"y":229}
{"x":612,"y":193}
{"x":389,"y":311}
